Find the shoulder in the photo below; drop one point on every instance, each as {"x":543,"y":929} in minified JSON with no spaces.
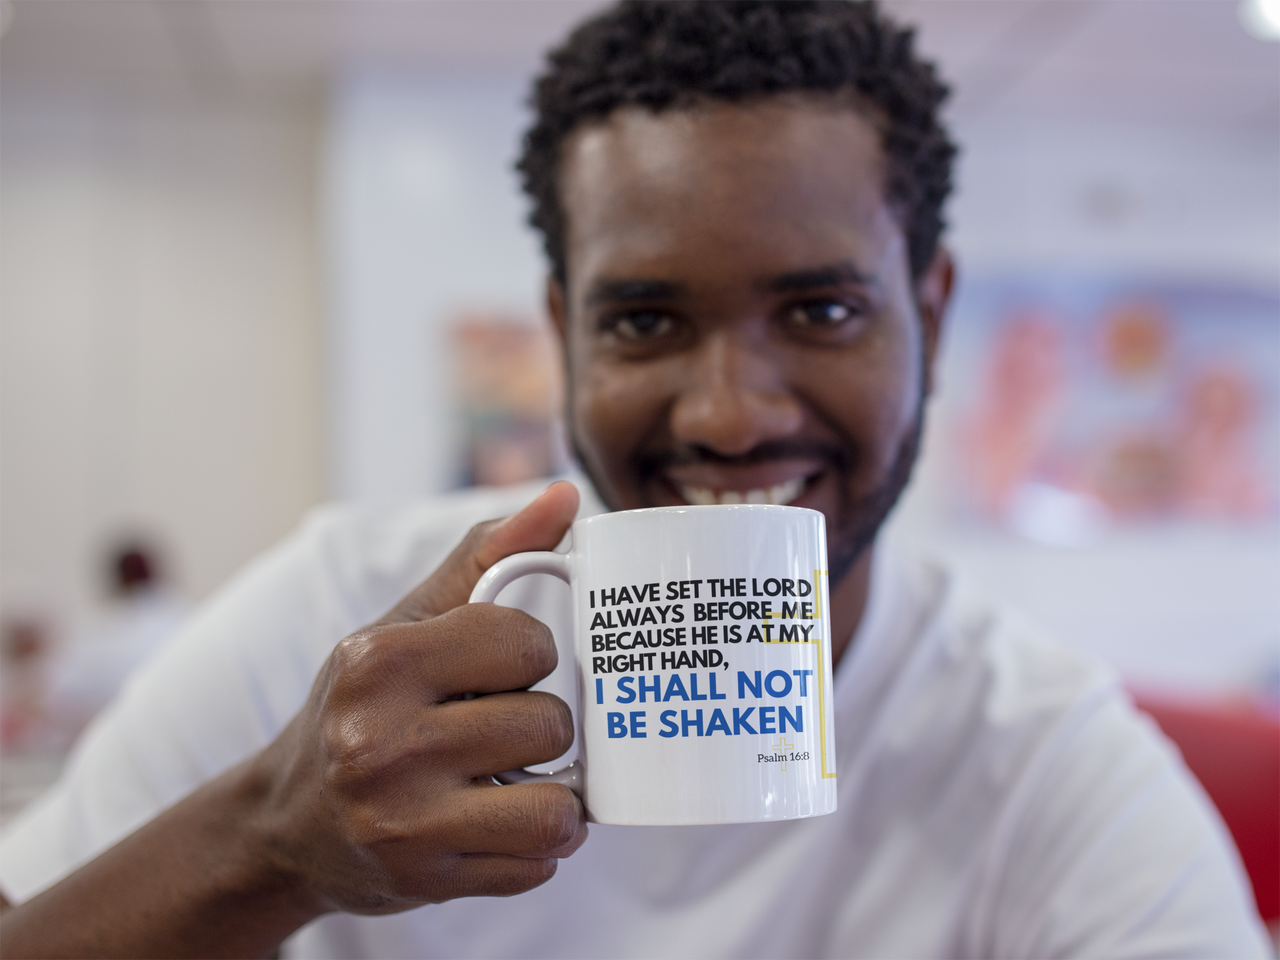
{"x":1089,"y":835}
{"x":370,"y":554}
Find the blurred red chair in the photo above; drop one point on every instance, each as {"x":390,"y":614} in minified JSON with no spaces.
{"x":1234,"y":750}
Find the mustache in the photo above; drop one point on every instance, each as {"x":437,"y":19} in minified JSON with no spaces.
{"x":650,"y":462}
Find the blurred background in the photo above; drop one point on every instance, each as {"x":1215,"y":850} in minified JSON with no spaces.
{"x":261,"y":254}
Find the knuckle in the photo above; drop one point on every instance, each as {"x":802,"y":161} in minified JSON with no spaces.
{"x":550,"y":722}
{"x":368,"y":656}
{"x":527,"y":641}
{"x":558,"y":817}
{"x":349,"y":657}
{"x":379,"y":662}
{"x":367,"y":747}
{"x":363,"y":726}
{"x":353,"y":751}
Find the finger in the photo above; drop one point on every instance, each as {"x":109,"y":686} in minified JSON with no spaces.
{"x":415,"y":876}
{"x":482,"y":840}
{"x":450,"y":745}
{"x":496,"y":875}
{"x":476,"y":648}
{"x":532,"y":820}
{"x":503,"y":731}
{"x":539,"y":526}
{"x":482,"y":875}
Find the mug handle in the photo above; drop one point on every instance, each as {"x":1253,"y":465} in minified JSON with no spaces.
{"x":502,"y":573}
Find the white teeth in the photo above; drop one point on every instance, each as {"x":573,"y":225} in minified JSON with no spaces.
{"x":784,"y":493}
{"x":779,"y":493}
{"x":699,"y":495}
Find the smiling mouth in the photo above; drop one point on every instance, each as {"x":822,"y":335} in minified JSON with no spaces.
{"x":779,"y":493}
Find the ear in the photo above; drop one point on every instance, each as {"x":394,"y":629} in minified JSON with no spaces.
{"x":933,"y":293}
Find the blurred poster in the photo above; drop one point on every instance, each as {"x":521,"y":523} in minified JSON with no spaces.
{"x":1087,"y":403}
{"x":508,"y":384}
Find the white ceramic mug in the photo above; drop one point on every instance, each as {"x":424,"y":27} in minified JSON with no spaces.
{"x":702,"y":641}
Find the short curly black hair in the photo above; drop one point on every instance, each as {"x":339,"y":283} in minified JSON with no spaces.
{"x":662,"y":54}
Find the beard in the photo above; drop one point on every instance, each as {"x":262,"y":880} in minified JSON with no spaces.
{"x":860,"y":518}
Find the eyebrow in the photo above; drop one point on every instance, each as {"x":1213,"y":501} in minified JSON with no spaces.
{"x":625,"y":291}
{"x":629,"y":291}
{"x":830,"y":275}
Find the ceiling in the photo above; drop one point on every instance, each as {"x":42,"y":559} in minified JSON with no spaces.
{"x":1166,"y":61}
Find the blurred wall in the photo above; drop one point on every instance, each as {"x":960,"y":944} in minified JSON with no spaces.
{"x":160,"y":347}
{"x":1198,"y":200}
{"x":1181,"y":606}
{"x":424,"y":221}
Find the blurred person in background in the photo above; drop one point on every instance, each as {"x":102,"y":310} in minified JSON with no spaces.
{"x":742,"y":205}
{"x":24,"y":652}
{"x":142,"y":613}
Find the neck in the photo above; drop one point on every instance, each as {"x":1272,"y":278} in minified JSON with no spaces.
{"x":848,"y":604}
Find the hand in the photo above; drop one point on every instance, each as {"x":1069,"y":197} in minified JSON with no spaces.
{"x":378,"y":796}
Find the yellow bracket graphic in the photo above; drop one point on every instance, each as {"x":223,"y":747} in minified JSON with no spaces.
{"x":822,"y":692}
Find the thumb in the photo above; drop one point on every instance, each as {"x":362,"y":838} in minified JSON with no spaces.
{"x":539,"y":526}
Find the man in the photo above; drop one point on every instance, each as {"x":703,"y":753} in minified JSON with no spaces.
{"x":741,"y":205}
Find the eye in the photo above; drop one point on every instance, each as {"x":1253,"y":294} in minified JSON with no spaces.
{"x":639,"y":325}
{"x":820,"y":314}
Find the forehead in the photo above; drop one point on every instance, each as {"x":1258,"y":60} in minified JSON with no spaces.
{"x":785,"y":178}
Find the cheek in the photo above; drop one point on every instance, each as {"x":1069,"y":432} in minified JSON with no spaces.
{"x":871,"y":398}
{"x":613,"y":409}
{"x":900,"y":385}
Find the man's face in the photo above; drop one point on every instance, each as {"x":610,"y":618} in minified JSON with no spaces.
{"x":740,"y":321}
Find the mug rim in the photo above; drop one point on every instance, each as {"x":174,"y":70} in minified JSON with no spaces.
{"x":687,"y":507}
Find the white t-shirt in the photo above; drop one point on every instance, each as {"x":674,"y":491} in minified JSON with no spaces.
{"x":997,"y":794}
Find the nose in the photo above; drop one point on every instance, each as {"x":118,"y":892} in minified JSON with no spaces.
{"x":735,"y":398}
